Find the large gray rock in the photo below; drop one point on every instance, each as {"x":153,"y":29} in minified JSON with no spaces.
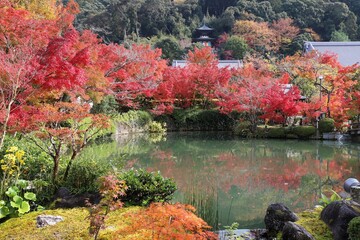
{"x":47,"y":220}
{"x":277,"y":215}
{"x":337,"y":216}
{"x":292,"y":231}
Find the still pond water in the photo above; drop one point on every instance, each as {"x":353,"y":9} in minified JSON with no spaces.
{"x":234,"y":180}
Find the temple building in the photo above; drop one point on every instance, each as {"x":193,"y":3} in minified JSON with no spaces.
{"x":204,"y":33}
{"x":348,"y":53}
{"x":204,"y":36}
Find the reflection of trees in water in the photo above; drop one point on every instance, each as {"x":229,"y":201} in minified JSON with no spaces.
{"x":233,"y":179}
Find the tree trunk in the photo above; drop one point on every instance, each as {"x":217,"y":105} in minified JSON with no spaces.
{"x":68,"y":167}
{"x":327,"y":106}
{"x":56,"y":159}
{"x":4,"y":130}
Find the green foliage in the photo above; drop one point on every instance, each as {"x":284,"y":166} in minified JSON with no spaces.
{"x":156,"y":127}
{"x":140,"y":19}
{"x":324,"y":200}
{"x":235,"y":47}
{"x":84,"y":174}
{"x":199,"y":119}
{"x":11,"y":162}
{"x":108,"y":105}
{"x":37,"y":167}
{"x":354,"y":229}
{"x":304,"y":132}
{"x":170,"y":48}
{"x":132,"y":119}
{"x":17,"y":200}
{"x":297,"y":44}
{"x":326,"y":125}
{"x":145,"y":187}
{"x":243,"y":128}
{"x":230,"y":231}
{"x":339,"y":36}
{"x":277,"y":132}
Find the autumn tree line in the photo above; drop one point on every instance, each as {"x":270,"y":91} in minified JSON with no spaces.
{"x":52,"y":76}
{"x":56,"y":72}
{"x":170,"y":24}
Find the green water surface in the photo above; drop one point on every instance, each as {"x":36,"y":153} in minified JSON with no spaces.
{"x":230,"y":179}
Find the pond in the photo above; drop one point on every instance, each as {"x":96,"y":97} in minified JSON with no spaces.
{"x":230,"y":179}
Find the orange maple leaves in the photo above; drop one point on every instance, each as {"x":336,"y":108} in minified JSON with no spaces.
{"x":167,"y":221}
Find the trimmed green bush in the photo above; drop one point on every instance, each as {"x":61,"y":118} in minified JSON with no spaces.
{"x":277,"y":132}
{"x":326,"y":125}
{"x":200,"y":119}
{"x":243,"y":129}
{"x":145,"y":188}
{"x":304,"y":131}
{"x":354,"y":229}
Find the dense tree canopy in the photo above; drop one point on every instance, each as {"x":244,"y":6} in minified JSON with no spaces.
{"x":120,"y":19}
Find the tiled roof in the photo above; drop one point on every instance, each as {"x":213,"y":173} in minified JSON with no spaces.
{"x":221,"y":64}
{"x":204,"y":28}
{"x":348,"y":52}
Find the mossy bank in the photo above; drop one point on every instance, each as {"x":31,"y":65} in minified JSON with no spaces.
{"x":74,"y":226}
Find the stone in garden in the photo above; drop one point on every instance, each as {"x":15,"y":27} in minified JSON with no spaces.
{"x":292,"y":231}
{"x":47,"y":220}
{"x":62,"y":192}
{"x":276,"y":216}
{"x":78,"y":200}
{"x":337,"y":216}
{"x":64,"y":199}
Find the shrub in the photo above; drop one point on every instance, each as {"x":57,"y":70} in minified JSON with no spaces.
{"x":277,"y":132}
{"x":37,"y":168}
{"x":83,"y":176}
{"x":200,"y":119}
{"x":156,"y":127}
{"x":261,"y":131}
{"x":304,"y":131}
{"x":167,"y":221}
{"x":110,"y":186}
{"x":108,"y":106}
{"x":326,"y":125}
{"x":11,"y":163}
{"x":138,"y":118}
{"x":354,"y":229}
{"x":131,"y":121}
{"x":145,"y":188}
{"x":243,"y":129}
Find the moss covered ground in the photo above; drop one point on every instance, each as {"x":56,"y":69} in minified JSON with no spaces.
{"x":311,"y":221}
{"x":75,"y":225}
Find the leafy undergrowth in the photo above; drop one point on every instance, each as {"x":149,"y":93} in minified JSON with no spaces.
{"x":311,"y":221}
{"x":159,"y":221}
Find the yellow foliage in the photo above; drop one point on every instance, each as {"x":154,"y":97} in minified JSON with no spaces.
{"x":47,"y":9}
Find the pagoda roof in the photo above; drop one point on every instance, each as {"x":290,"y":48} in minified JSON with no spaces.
{"x":204,"y":28}
{"x":204,"y":38}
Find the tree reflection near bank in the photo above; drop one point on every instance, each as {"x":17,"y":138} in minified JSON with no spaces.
{"x":234,"y":180}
